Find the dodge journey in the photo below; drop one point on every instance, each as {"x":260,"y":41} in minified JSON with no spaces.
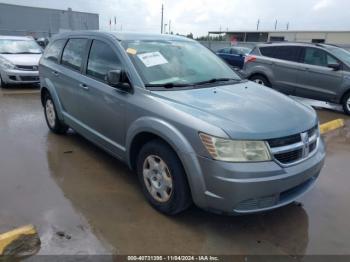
{"x":193,"y":131}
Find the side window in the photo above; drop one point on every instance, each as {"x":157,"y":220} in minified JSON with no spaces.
{"x":73,"y":53}
{"x":332,"y":60}
{"x":53,"y":51}
{"x":287,"y":53}
{"x":314,"y":56}
{"x":101,"y":60}
{"x":234,"y":51}
{"x":225,"y":51}
{"x":267,"y":51}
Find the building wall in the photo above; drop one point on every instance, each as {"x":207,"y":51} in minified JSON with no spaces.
{"x":42,"y":22}
{"x":340,"y":38}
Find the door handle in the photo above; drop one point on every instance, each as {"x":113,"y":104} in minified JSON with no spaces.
{"x":84,"y":86}
{"x":55,"y":73}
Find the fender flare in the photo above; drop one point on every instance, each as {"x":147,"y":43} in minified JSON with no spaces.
{"x":51,"y":88}
{"x":179,"y":143}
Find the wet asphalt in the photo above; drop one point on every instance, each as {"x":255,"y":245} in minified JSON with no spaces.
{"x":84,"y":201}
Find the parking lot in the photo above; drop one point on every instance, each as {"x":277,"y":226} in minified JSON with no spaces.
{"x":84,"y":201}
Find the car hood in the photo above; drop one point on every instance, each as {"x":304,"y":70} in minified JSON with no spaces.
{"x":244,"y":111}
{"x":23,"y":59}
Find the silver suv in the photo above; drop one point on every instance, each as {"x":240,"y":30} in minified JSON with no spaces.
{"x":316,"y":71}
{"x":183,"y":120}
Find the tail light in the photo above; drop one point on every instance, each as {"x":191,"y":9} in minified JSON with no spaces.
{"x":250,"y":58}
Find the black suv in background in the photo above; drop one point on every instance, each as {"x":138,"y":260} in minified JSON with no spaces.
{"x":316,"y":71}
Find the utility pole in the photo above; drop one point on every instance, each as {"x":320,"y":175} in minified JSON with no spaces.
{"x":169,"y":27}
{"x":161,"y":25}
{"x":257,"y":25}
{"x":276,"y":25}
{"x":287,"y":26}
{"x":165,"y":25}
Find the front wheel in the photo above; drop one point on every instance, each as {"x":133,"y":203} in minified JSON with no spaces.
{"x":346,"y":104}
{"x":54,"y":124}
{"x":163,"y":178}
{"x":261,"y":80}
{"x":2,"y":83}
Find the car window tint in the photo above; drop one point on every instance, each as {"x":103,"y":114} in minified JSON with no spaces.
{"x":53,"y":51}
{"x":73,"y":53}
{"x":224,"y":51}
{"x":288,"y":53}
{"x":332,"y":60}
{"x":102,"y":59}
{"x":267,"y":51}
{"x":314,"y":56}
{"x":234,"y":51}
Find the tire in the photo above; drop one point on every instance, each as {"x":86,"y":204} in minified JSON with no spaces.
{"x":52,"y":121}
{"x":261,"y":80}
{"x":166,"y":178}
{"x":346,"y":103}
{"x":2,"y":83}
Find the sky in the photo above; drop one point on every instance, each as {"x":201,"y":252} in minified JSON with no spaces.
{"x":200,"y":16}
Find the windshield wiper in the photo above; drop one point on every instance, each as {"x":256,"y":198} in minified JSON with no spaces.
{"x":215,"y":80}
{"x":168,"y":85}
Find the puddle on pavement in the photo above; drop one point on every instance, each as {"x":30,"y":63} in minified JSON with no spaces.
{"x":83,"y":201}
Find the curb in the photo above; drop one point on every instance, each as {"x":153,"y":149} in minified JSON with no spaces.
{"x":332,"y":125}
{"x":20,"y":241}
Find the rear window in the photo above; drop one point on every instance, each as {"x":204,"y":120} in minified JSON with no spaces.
{"x":73,"y":53}
{"x":54,"y":50}
{"x":288,"y":53}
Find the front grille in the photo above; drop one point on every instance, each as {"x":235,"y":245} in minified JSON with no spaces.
{"x":257,"y":203}
{"x":289,"y":157}
{"x":29,"y":78}
{"x":27,"y":68}
{"x":274,"y":200}
{"x":291,"y":149}
{"x":289,"y":140}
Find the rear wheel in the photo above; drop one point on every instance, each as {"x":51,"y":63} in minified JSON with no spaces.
{"x":261,"y":80}
{"x":54,"y":124}
{"x":163,"y":178}
{"x":346,"y":103}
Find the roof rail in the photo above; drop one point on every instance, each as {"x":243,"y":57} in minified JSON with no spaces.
{"x":300,"y":42}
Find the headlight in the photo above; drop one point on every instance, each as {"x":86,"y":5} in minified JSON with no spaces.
{"x":235,"y":150}
{"x":4,"y":63}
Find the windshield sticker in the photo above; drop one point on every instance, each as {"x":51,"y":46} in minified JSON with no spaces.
{"x":152,"y":59}
{"x":131,"y":51}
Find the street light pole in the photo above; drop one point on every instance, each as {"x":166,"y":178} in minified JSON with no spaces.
{"x":161,"y":25}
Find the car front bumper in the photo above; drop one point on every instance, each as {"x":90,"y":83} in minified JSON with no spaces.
{"x":14,"y":76}
{"x":243,"y":188}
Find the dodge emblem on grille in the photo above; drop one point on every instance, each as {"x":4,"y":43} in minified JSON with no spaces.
{"x":305,"y":140}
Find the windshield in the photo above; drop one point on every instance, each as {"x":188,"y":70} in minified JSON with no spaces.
{"x":176,"y":62}
{"x":340,"y":53}
{"x":8,"y":46}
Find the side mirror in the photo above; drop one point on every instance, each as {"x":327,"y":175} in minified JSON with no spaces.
{"x":118,"y":79}
{"x":335,"y":67}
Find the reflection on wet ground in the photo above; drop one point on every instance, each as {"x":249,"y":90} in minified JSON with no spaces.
{"x":66,"y":184}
